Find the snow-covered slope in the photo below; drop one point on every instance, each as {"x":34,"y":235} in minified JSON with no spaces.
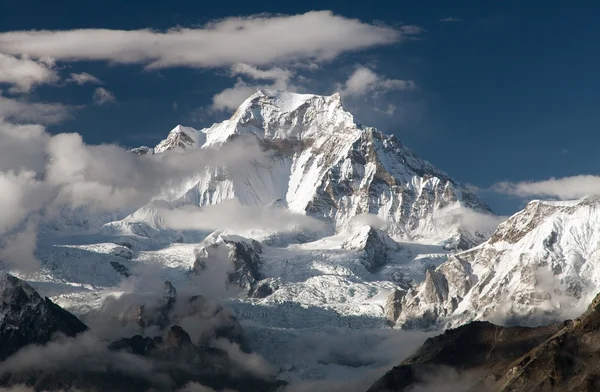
{"x":325,"y":165}
{"x":542,"y":264}
{"x":180,"y":138}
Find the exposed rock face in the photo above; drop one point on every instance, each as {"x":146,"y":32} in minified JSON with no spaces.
{"x":558,"y":357}
{"x":374,"y":244}
{"x":393,"y":305}
{"x":27,"y":318}
{"x":434,"y":301}
{"x":243,"y":254}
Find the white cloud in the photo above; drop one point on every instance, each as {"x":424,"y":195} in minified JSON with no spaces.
{"x":23,"y":111}
{"x":471,"y":220}
{"x":24,"y":73}
{"x":258,"y":40}
{"x":450,"y":19}
{"x":565,"y":188}
{"x":412,"y":31}
{"x":103,"y":96}
{"x":231,"y":215}
{"x":261,"y":74}
{"x":83,"y":78}
{"x":232,"y":97}
{"x":364,"y":81}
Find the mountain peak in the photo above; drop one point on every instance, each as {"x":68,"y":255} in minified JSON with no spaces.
{"x":180,"y":138}
{"x":275,"y":115}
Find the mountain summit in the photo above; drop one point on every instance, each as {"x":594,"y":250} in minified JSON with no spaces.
{"x":329,"y":167}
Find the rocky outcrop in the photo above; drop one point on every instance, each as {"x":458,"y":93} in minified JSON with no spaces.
{"x":263,"y":289}
{"x":374,"y":244}
{"x":393,"y":305}
{"x":432,"y":304}
{"x":486,"y":357}
{"x":27,"y":318}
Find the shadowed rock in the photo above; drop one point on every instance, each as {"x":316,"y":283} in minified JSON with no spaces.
{"x":27,"y":318}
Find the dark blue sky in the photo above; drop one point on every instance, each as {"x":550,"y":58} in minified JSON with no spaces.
{"x":509,"y":92}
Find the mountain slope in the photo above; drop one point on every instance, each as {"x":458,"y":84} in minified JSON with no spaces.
{"x":539,"y":266}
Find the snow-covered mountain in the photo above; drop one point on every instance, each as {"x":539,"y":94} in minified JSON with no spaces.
{"x":325,"y":165}
{"x":540,"y":265}
{"x":387,"y":221}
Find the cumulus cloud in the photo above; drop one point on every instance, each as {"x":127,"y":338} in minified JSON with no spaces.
{"x":24,"y":111}
{"x":574,"y":187}
{"x":468,"y":219}
{"x":232,"y":97}
{"x":365,"y":81}
{"x":23,"y":73}
{"x":83,"y":78}
{"x":102,"y":96}
{"x":257,"y":40}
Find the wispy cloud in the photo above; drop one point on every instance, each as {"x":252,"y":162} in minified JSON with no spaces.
{"x":83,"y":78}
{"x":565,"y":188}
{"x":102,"y":96}
{"x":451,"y":19}
{"x":259,"y":40}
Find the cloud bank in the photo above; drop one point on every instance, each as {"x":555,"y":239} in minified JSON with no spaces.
{"x":574,"y":187}
{"x":257,"y":40}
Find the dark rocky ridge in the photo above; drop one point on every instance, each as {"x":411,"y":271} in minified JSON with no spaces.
{"x":490,"y":358}
{"x":27,"y":318}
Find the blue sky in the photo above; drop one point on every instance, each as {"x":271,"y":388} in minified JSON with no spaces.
{"x":505,"y":90}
